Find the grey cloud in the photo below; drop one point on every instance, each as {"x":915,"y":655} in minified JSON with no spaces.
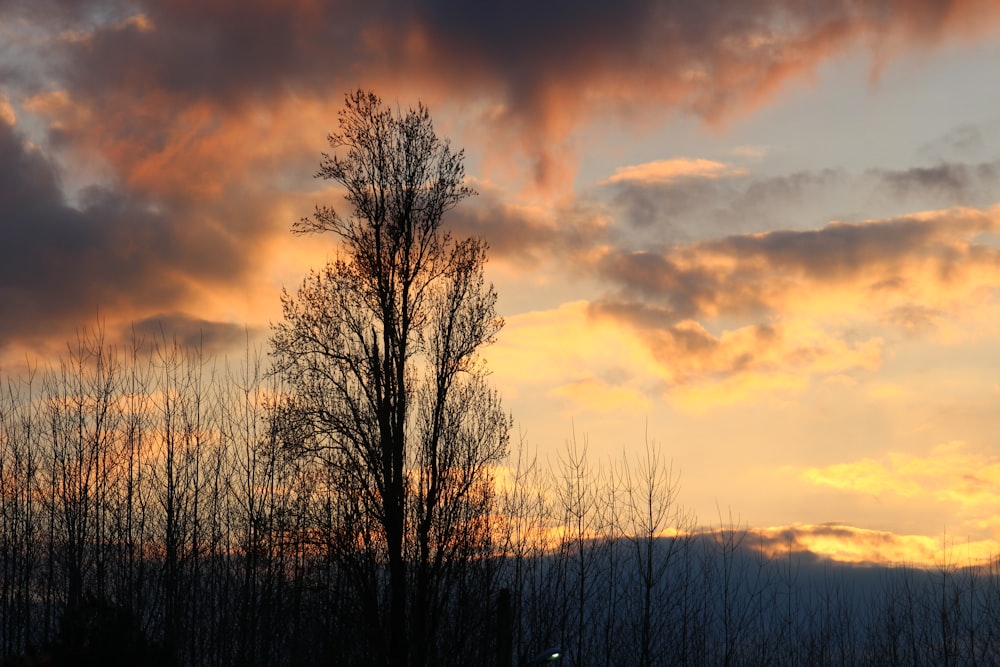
{"x":696,"y":209}
{"x":60,"y":263}
{"x":516,"y":235}
{"x":658,"y":289}
{"x":190,"y":332}
{"x":678,"y":292}
{"x":840,"y":250}
{"x":833,"y":252}
{"x":954,"y":182}
{"x":537,"y":59}
{"x":964,"y":140}
{"x":693,"y":210}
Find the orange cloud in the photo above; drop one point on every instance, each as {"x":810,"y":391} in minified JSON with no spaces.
{"x":162,"y":146}
{"x":850,"y":544}
{"x":744,"y":317}
{"x":7,"y":114}
{"x":596,"y":365}
{"x":667,"y":171}
{"x":816,"y":301}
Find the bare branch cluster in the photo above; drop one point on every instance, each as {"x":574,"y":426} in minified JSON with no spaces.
{"x":380,"y":351}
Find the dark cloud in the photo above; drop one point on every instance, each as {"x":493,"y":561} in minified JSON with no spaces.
{"x":958,"y":183}
{"x":227,"y":52}
{"x":674,"y":289}
{"x":749,"y":276}
{"x":709,"y":56}
{"x":666,"y":210}
{"x":546,"y":67}
{"x":835,"y":252}
{"x":190,"y":332}
{"x":694,"y":209}
{"x":529,"y":236}
{"x":800,"y":189}
{"x":60,"y":263}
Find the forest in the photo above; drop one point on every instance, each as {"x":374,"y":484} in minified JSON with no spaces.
{"x":151,"y":515}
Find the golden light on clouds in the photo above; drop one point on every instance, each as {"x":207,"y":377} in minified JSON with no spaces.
{"x":850,"y":544}
{"x":729,"y":318}
{"x":668,"y":171}
{"x":867,"y":477}
{"x":950,"y":472}
{"x":7,"y":114}
{"x":832,"y":317}
{"x":955,"y":474}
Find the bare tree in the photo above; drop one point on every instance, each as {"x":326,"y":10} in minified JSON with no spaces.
{"x":380,"y":352}
{"x":652,"y":511}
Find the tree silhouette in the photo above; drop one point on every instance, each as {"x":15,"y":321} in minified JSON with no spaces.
{"x":380,"y":352}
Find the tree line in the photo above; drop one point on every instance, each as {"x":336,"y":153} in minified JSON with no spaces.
{"x":152,"y":515}
{"x":350,"y":496}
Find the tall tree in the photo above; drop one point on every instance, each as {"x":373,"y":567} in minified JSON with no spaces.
{"x":380,"y":351}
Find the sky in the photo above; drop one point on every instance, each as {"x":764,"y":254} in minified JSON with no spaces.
{"x":763,"y":234}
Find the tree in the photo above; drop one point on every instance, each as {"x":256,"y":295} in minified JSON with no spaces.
{"x":386,"y":388}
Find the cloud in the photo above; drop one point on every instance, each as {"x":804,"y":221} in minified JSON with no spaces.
{"x":851,"y":544}
{"x":671,"y":171}
{"x":690,"y":367}
{"x":955,"y":478}
{"x":717,"y":199}
{"x":192,"y":115}
{"x":951,"y":473}
{"x":706,"y":56}
{"x":750,"y":316}
{"x":527,"y":235}
{"x":727,"y":318}
{"x":759,"y":274}
{"x":196,"y":152}
{"x":867,"y":477}
{"x":7,"y":115}
{"x":190,"y":332}
{"x":114,"y":252}
{"x":961,"y":184}
{"x":751,"y":152}
{"x":964,"y":140}
{"x":733,"y":201}
{"x":544,"y":70}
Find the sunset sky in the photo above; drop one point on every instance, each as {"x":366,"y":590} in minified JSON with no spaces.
{"x":764,"y":234}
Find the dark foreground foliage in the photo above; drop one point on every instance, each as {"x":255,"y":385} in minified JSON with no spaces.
{"x":149,"y":517}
